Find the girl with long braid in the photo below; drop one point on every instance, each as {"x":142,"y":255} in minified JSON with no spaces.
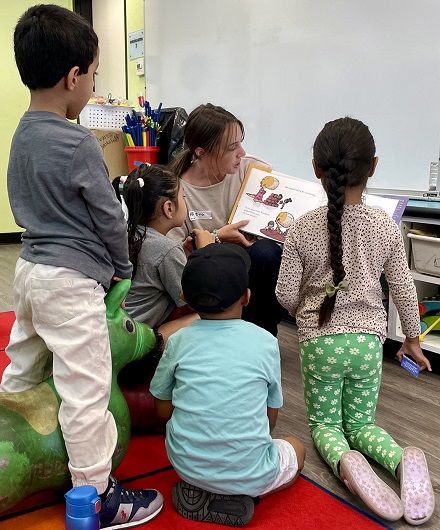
{"x":329,"y":279}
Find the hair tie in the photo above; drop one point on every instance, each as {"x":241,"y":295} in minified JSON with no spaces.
{"x":141,"y":182}
{"x":331,"y":289}
{"x":122,"y":181}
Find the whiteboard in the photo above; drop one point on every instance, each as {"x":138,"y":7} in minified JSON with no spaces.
{"x":286,"y":67}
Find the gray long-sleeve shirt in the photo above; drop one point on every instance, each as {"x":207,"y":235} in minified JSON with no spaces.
{"x":156,"y":286}
{"x":60,"y":193}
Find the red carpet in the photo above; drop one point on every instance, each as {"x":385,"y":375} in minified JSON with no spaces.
{"x":6,"y":321}
{"x":304,"y":506}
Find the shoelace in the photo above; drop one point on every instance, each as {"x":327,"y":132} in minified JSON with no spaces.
{"x":133,"y":495}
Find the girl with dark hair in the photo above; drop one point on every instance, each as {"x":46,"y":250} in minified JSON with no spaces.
{"x":329,"y":279}
{"x":154,"y":203}
{"x":212,"y":170}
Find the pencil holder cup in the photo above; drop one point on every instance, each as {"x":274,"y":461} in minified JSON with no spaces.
{"x":141,"y":155}
{"x":82,"y":508}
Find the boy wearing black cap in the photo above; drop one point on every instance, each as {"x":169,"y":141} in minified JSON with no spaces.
{"x":219,"y":385}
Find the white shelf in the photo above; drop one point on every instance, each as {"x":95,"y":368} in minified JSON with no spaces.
{"x":419,"y":277}
{"x":426,"y":285}
{"x":431,"y":342}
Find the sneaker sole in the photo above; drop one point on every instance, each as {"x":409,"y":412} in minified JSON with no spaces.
{"x":196,"y":504}
{"x":363,"y":482}
{"x":415,"y":485}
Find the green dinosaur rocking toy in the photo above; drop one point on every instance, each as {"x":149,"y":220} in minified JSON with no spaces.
{"x":33,"y":456}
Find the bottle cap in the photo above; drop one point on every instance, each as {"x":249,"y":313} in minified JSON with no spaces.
{"x":82,"y":501}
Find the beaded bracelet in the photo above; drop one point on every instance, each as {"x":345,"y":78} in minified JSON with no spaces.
{"x":216,"y":238}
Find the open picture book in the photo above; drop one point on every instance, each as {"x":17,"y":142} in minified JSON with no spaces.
{"x":271,"y":201}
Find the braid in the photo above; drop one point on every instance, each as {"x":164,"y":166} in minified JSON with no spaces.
{"x":344,"y":153}
{"x":336,"y":199}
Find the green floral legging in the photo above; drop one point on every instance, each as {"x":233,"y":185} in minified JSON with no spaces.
{"x":341,"y":377}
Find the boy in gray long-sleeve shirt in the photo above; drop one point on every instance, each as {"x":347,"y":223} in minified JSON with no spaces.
{"x":74,"y":245}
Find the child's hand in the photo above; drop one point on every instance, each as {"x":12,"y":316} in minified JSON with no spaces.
{"x":412,"y":347}
{"x":250,"y":237}
{"x":203,"y":237}
{"x":231,"y":234}
{"x":116,"y":279}
{"x":188,"y":246}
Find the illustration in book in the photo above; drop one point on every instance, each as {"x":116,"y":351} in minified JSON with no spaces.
{"x":271,"y":201}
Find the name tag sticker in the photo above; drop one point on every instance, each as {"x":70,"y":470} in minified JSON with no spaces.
{"x":202,"y":214}
{"x":411,"y":366}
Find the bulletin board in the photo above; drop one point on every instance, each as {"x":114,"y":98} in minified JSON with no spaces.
{"x":286,"y":67}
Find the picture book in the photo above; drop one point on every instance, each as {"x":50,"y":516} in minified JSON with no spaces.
{"x":394,"y":205}
{"x":271,"y":201}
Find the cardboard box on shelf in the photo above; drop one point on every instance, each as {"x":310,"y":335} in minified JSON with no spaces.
{"x":112,"y":145}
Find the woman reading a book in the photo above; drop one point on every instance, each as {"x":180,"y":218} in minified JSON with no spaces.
{"x":212,"y":170}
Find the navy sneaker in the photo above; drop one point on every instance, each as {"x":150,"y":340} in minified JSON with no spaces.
{"x":199,"y":505}
{"x":124,"y":508}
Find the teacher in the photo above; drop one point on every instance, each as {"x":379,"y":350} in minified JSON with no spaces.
{"x":212,"y":169}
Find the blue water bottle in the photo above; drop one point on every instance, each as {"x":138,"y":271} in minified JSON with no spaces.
{"x":82,"y":508}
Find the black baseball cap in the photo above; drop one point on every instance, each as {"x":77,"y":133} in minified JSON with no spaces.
{"x":215,"y":277}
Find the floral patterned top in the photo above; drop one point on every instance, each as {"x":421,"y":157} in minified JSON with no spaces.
{"x":372,"y":244}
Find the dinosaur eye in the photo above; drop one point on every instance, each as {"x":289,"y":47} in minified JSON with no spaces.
{"x":128,"y":325}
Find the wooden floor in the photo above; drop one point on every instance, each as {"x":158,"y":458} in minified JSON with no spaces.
{"x":409,"y":407}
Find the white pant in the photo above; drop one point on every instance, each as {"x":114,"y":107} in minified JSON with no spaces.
{"x":60,"y":310}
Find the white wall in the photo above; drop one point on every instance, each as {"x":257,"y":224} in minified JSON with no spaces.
{"x":109,"y":24}
{"x":285,"y":67}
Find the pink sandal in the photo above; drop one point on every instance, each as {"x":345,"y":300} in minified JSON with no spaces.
{"x":415,"y":487}
{"x":362,"y":481}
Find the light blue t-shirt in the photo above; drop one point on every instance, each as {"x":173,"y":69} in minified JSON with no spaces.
{"x":221,"y":376}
